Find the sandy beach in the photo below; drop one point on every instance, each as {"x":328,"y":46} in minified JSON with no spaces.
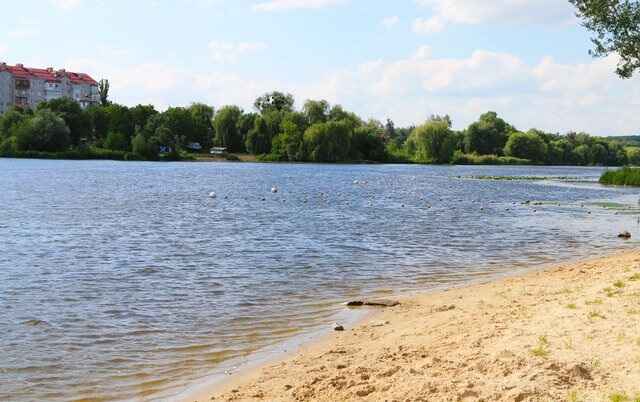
{"x":568,"y":333}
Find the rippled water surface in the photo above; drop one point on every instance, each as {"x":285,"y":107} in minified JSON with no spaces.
{"x":126,"y":281}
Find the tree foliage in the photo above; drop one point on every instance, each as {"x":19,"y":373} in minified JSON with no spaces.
{"x":45,"y":131}
{"x":615,"y":25}
{"x":526,"y":146}
{"x":103,"y":92}
{"x":488,"y":135}
{"x":275,"y":100}
{"x":432,"y":142}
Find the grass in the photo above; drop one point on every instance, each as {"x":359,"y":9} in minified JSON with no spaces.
{"x":542,"y":348}
{"x":572,"y":306}
{"x":593,"y":302}
{"x":595,"y":314}
{"x":626,"y":176}
{"x":611,"y":292}
{"x":622,"y":397}
{"x":619,"y":284}
{"x":635,"y":277}
{"x":573,"y":396}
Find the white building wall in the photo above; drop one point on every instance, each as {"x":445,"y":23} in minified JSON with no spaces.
{"x":6,"y":91}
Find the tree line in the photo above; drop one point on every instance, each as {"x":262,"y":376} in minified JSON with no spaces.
{"x":276,"y":131}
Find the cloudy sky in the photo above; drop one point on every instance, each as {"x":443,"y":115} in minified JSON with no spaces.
{"x":402,"y":59}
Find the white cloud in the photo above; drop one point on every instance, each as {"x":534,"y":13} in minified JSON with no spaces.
{"x":231,"y":52}
{"x":545,"y":94}
{"x":391,"y":21}
{"x":281,"y":5}
{"x":445,"y":12}
{"x":66,"y":4}
{"x":548,"y":95}
{"x":428,"y":25}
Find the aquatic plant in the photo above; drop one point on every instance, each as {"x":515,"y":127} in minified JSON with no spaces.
{"x":626,"y":176}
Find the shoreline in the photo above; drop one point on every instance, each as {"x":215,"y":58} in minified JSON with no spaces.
{"x":553,"y":323}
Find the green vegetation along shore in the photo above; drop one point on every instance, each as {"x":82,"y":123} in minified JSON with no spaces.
{"x":276,"y":131}
{"x":622,"y":177}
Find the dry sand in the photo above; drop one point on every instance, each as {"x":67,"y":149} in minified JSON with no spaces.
{"x":569,"y":333}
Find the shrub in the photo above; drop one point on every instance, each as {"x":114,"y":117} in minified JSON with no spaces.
{"x":116,"y":141}
{"x":626,"y":176}
{"x":45,"y":131}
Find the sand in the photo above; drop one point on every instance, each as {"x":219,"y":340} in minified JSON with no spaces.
{"x":569,"y":333}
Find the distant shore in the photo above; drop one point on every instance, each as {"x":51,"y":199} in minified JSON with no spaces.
{"x":568,"y":333}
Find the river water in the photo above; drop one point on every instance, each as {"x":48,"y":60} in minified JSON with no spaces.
{"x":127,"y":281}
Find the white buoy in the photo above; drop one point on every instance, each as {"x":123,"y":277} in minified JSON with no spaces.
{"x":212,"y":195}
{"x":356,"y":182}
{"x":274,"y":189}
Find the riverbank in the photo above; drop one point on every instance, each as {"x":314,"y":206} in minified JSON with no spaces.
{"x":571,"y":332}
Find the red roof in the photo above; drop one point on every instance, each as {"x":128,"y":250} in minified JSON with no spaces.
{"x":48,"y":74}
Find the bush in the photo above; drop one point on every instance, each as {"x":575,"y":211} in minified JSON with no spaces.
{"x":8,"y":145}
{"x":140,"y":146}
{"x":45,"y":131}
{"x":626,"y":176}
{"x":116,"y":141}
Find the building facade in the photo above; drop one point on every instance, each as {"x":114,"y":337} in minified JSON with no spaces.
{"x":26,"y":87}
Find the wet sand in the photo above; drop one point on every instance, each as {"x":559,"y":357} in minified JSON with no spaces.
{"x":568,"y":333}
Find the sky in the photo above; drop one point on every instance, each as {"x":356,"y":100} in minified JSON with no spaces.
{"x":400,"y":59}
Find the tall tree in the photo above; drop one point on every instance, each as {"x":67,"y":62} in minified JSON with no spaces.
{"x":433,"y":142}
{"x":616,"y":28}
{"x":225,"y":124}
{"x":103,"y":91}
{"x":274,"y":101}
{"x":316,"y":111}
{"x":488,"y":135}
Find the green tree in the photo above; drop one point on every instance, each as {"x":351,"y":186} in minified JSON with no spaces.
{"x":144,"y":148}
{"x":9,"y":121}
{"x":120,"y":119}
{"x":140,"y":115}
{"x":179,"y":120}
{"x":526,"y":146}
{"x":433,"y":142}
{"x":275,"y":100}
{"x":616,"y":28}
{"x":99,"y":122}
{"x":328,"y":142}
{"x":582,"y":155}
{"x":116,"y":141}
{"x":316,"y":111}
{"x":202,"y":116}
{"x":367,"y":143}
{"x":45,"y":131}
{"x":488,"y":135}
{"x":259,"y":137}
{"x":633,"y":155}
{"x":103,"y":91}
{"x":78,"y":121}
{"x":287,"y":145}
{"x":227,"y":133}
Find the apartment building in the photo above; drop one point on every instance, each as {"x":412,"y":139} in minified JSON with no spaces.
{"x":26,"y":87}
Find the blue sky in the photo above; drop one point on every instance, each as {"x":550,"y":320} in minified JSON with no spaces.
{"x":402,"y":59}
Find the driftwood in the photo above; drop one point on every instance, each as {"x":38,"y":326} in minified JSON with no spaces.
{"x":373,"y":303}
